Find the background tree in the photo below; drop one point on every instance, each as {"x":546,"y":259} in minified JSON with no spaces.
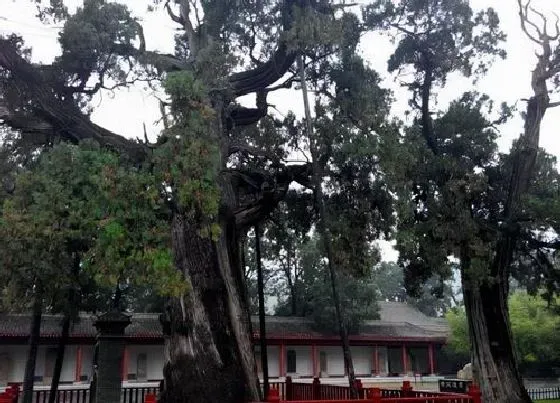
{"x":534,"y":326}
{"x":357,"y":295}
{"x":434,"y":298}
{"x":64,"y":222}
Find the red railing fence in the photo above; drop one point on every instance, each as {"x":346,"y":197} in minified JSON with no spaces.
{"x":318,"y":393}
{"x":10,"y":395}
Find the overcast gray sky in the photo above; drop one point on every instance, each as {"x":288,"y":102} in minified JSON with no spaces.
{"x":127,"y":110}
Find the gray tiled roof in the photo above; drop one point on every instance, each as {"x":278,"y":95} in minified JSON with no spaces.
{"x":398,"y":322}
{"x":398,"y":312}
{"x":142,"y":325}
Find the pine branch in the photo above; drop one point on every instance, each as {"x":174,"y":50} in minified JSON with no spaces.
{"x":50,"y":113}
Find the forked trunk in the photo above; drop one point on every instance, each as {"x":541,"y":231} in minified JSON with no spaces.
{"x":34,"y":337}
{"x":208,"y":346}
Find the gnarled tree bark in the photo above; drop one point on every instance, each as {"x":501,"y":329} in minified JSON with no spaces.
{"x":486,"y":303}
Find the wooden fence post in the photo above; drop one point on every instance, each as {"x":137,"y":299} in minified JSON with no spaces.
{"x":406,"y":389}
{"x":475,"y":394}
{"x":11,"y":394}
{"x":360,"y":388}
{"x":289,"y":389}
{"x":374,"y":394}
{"x":150,"y":398}
{"x":316,"y":389}
{"x":273,"y":395}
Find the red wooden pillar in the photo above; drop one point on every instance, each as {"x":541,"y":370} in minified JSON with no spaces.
{"x":431,"y":358}
{"x":314,"y":359}
{"x":78,"y":376}
{"x":281,"y":358}
{"x":404,"y":360}
{"x":376,"y":360}
{"x":374,"y":394}
{"x":124,"y":375}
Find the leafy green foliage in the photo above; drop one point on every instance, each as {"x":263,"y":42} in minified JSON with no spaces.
{"x":79,"y":218}
{"x":358,"y":296}
{"x":534,"y":324}
{"x":314,"y":30}
{"x":441,"y":36}
{"x":449,"y":191}
{"x":94,"y":38}
{"x":459,"y":338}
{"x":189,"y":160}
{"x":350,"y":125}
{"x":357,"y":299}
{"x":435,"y":298}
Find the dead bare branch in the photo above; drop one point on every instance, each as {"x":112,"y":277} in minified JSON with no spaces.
{"x":174,"y":17}
{"x":524,"y":19}
{"x":544,"y":21}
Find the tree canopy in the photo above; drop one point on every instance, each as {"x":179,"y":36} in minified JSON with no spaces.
{"x":534,"y":325}
{"x":176,"y":212}
{"x":78,"y":220}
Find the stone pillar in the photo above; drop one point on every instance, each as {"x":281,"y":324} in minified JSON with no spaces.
{"x":107,"y":367}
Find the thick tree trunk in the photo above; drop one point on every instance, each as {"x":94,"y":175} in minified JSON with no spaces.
{"x":34,"y":337}
{"x":61,"y":348}
{"x":486,"y":300}
{"x":493,"y":356}
{"x":262,"y":315}
{"x":427,"y":123}
{"x":208,"y":344}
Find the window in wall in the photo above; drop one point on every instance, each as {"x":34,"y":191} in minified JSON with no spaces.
{"x":323,"y":362}
{"x":142,"y":367}
{"x":291,"y":367}
{"x":258,"y":358}
{"x":394,"y":355}
{"x":419,"y":360}
{"x":5,"y":368}
{"x":382,"y":360}
{"x":50,"y":358}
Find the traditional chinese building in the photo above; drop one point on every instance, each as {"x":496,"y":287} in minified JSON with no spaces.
{"x":402,"y":342}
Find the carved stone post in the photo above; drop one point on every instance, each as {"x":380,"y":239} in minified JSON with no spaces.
{"x":107,"y":367}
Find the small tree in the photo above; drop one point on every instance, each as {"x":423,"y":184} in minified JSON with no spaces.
{"x":72,"y":222}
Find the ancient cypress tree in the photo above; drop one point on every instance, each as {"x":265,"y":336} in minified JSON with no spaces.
{"x":207,"y":329}
{"x":458,"y":180}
